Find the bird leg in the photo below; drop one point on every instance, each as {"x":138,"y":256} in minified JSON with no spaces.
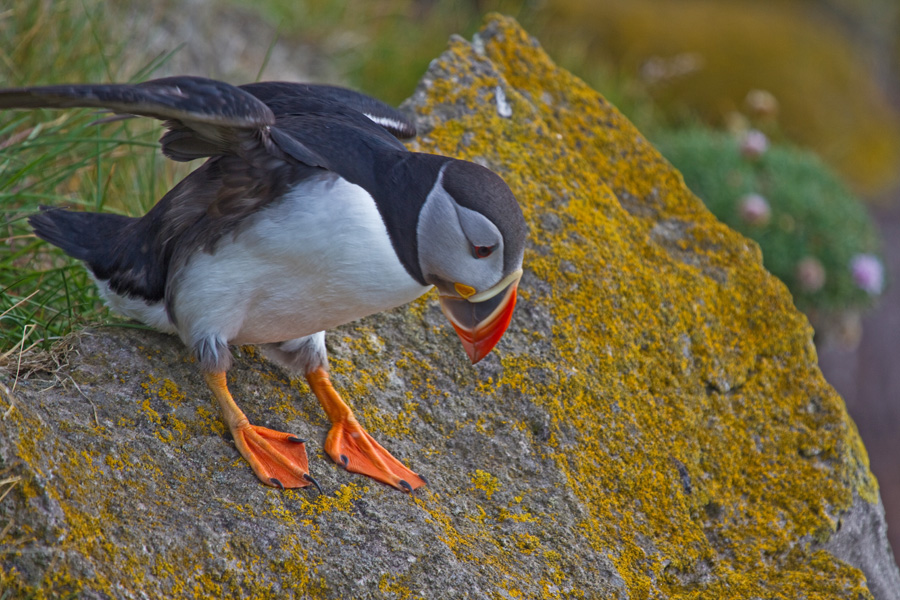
{"x":348,"y":444}
{"x":278,"y":459}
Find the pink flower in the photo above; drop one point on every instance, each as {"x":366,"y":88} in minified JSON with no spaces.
{"x":754,"y":209}
{"x":868,"y":273}
{"x":754,"y":144}
{"x":810,"y":274}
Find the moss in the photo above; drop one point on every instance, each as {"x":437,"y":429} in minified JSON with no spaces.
{"x":176,"y":572}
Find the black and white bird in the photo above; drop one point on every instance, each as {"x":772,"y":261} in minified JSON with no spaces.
{"x":308,"y":213}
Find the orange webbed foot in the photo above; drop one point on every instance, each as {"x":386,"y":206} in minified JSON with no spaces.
{"x":348,"y":444}
{"x":277,"y":458}
{"x":351,"y":446}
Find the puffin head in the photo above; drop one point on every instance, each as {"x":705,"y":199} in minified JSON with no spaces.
{"x":471,"y":239}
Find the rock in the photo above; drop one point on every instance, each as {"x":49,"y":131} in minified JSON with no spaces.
{"x":653,"y":424}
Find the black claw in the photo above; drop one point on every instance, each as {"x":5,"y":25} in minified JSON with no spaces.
{"x":296,"y":440}
{"x":345,"y":460}
{"x":422,"y":477}
{"x":276,"y":483}
{"x":307,"y":477}
{"x":408,"y":488}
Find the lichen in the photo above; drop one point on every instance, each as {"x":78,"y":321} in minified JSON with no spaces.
{"x":175,"y":572}
{"x":484,"y":481}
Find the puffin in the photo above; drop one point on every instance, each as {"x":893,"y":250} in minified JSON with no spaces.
{"x":307,"y":213}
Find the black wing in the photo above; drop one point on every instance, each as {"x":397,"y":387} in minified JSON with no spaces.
{"x":262,"y":130}
{"x":220,"y":117}
{"x":210,"y":118}
{"x":191,"y":99}
{"x":286,"y":98}
{"x":314,"y":124}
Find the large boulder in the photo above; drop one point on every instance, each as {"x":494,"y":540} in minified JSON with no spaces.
{"x":653,"y":424}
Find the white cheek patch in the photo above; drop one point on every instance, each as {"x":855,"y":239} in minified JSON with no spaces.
{"x":446,"y":233}
{"x":441,"y":239}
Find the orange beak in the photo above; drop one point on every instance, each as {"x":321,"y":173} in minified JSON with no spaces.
{"x":481,"y":320}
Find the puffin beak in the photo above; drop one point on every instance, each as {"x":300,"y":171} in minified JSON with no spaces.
{"x":481,"y":319}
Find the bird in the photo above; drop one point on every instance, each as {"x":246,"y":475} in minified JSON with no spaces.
{"x":307,"y":213}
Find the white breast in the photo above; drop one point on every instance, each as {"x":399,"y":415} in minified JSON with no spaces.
{"x":317,"y":259}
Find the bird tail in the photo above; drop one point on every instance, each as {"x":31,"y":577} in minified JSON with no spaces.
{"x":90,"y":237}
{"x":120,"y":251}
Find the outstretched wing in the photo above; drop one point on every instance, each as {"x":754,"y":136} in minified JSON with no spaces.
{"x":207,"y":117}
{"x":191,"y":99}
{"x":270,"y":134}
{"x":286,"y":98}
{"x":210,"y":118}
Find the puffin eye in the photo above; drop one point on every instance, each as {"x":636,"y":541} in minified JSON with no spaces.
{"x":482,"y":251}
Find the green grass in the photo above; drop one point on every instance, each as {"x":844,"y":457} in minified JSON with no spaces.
{"x":64,"y":162}
{"x":60,"y":158}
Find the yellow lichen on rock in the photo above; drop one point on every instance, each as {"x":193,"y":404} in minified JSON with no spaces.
{"x":484,"y":481}
{"x":687,"y":376}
